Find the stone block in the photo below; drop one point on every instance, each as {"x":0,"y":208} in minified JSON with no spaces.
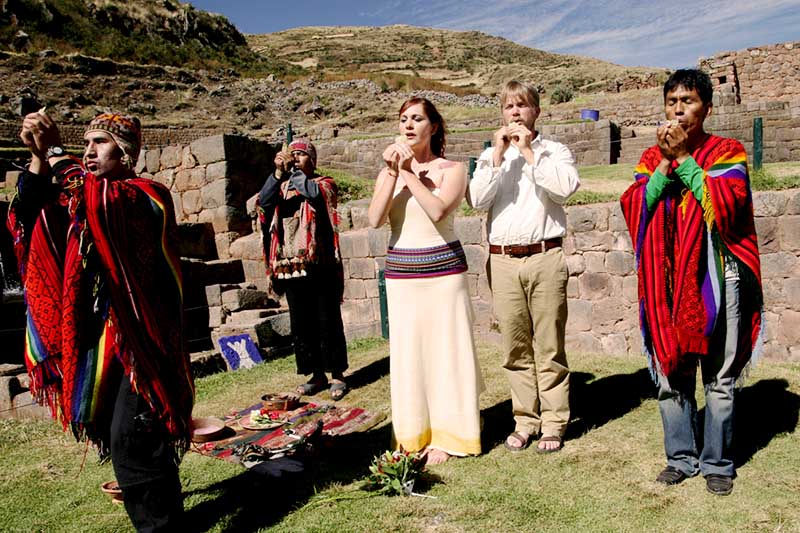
{"x":378,"y":240}
{"x":242,"y":299}
{"x":227,"y":218}
{"x":153,"y":160}
{"x":593,"y":286}
{"x":214,"y":295}
{"x":216,"y":194}
{"x":217,"y":171}
{"x":614,"y":343}
{"x":583,"y":343}
{"x":769,"y":204}
{"x":358,"y":214}
{"x":602,"y":241}
{"x":362,"y":268}
{"x":191,"y":202}
{"x":619,"y":263}
{"x":191,"y":179}
{"x":595,"y":261}
{"x":791,"y":290}
{"x":178,"y":205}
{"x":196,"y":240}
{"x":187,"y":159}
{"x":476,"y":258}
{"x":622,"y":242}
{"x":357,"y":311}
{"x":616,"y":222}
{"x":197,"y":273}
{"x":354,"y":289}
{"x":171,"y":156}
{"x":12,"y":178}
{"x":630,"y":288}
{"x":790,"y":232}
{"x":581,"y":218}
{"x":254,"y":270}
{"x":580,"y":315}
{"x":789,"y":328}
{"x":793,"y":204}
{"x":141,"y":165}
{"x":469,"y":230}
{"x":166,"y":177}
{"x":209,"y":149}
{"x":354,"y":244}
{"x":576,"y":264}
{"x":573,"y":288}
{"x":778,"y":265}
{"x":607,"y":313}
{"x":216,"y":317}
{"x":248,"y":247}
{"x":767,"y":231}
{"x":223,"y":242}
{"x":774,"y":351}
{"x":371,"y":288}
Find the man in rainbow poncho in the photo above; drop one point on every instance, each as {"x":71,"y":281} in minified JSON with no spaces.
{"x":690,"y":216}
{"x":102,"y":282}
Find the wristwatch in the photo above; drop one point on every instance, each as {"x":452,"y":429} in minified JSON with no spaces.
{"x":55,"y":151}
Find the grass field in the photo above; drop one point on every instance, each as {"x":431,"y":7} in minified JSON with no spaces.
{"x":601,"y":481}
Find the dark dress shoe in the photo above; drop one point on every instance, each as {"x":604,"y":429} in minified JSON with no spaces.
{"x":671,"y":476}
{"x":719,"y":485}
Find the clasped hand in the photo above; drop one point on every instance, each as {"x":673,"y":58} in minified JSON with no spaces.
{"x":398,"y":156}
{"x":672,"y":141}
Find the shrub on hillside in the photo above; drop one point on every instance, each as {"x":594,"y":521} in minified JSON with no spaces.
{"x":560,"y":94}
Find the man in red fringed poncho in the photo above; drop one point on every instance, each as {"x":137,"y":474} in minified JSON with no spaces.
{"x":690,"y":216}
{"x":104,"y":345}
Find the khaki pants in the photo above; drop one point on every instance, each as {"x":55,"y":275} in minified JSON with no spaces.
{"x":530,"y":302}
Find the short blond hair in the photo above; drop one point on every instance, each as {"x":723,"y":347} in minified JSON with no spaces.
{"x":522,"y":90}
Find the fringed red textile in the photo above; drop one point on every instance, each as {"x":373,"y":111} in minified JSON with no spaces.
{"x":103,"y":287}
{"x":676,"y":243}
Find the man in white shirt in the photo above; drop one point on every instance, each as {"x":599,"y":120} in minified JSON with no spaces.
{"x":523,"y":181}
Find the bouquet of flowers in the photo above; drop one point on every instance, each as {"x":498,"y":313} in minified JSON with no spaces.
{"x":394,"y":473}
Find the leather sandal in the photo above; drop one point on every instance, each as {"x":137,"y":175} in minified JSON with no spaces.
{"x":550,"y":438}
{"x":525,"y":442}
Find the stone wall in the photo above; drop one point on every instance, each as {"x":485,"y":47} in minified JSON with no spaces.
{"x":151,"y":137}
{"x":589,"y":141}
{"x":602,"y":288}
{"x":758,"y":74}
{"x":211,"y":180}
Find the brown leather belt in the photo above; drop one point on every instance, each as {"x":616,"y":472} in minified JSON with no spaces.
{"x":524,"y":250}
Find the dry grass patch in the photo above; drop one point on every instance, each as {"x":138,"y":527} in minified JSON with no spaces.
{"x":601,"y":481}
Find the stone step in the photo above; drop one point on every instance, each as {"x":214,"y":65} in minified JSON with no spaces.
{"x":252,"y":315}
{"x":268,"y":333}
{"x":197,"y":275}
{"x":239,"y":299}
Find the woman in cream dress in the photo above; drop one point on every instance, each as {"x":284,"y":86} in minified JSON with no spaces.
{"x":435,"y":378}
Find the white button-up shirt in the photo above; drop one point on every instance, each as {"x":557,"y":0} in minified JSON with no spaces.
{"x":525,"y":202}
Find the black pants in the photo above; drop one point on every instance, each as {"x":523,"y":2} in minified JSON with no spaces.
{"x":145,"y":464}
{"x":316,"y":317}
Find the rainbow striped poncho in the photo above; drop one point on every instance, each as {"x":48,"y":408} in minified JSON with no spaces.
{"x":104,"y":298}
{"x":681,"y":246}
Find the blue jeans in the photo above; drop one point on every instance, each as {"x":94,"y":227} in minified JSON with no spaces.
{"x":678,"y":406}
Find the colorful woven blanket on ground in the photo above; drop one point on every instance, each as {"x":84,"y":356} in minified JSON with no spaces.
{"x":336,"y":421}
{"x":680,"y":248}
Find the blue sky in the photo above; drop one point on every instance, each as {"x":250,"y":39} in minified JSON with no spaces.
{"x":634,"y":33}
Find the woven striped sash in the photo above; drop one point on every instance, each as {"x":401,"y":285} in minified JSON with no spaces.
{"x":403,"y":263}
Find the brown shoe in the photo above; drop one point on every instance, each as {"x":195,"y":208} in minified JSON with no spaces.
{"x":671,"y":476}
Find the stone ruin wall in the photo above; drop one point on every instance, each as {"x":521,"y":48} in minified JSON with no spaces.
{"x":602,"y":287}
{"x":758,"y":74}
{"x":589,"y":141}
